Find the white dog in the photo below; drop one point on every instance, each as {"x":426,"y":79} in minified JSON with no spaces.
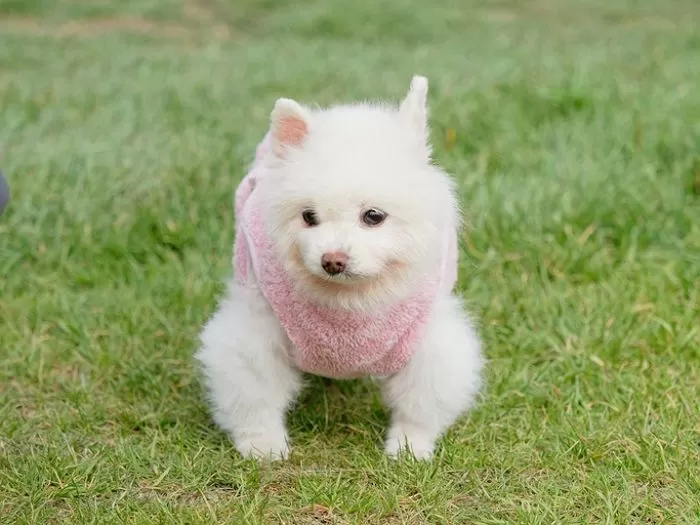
{"x":345,"y":259}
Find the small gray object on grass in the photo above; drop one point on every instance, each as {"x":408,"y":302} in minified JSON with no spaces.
{"x":4,"y":193}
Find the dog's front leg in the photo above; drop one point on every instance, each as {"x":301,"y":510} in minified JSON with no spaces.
{"x":250,"y":380}
{"x":440,"y":382}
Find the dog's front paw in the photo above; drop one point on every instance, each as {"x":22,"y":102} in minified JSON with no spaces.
{"x":263,"y":447}
{"x":405,"y":439}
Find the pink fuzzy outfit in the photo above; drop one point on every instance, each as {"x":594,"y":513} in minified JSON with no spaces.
{"x":341,"y":344}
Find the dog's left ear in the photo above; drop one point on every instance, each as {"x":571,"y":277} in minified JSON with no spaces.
{"x":289,"y":126}
{"x":414,"y":108}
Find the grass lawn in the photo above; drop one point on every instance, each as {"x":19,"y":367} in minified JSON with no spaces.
{"x":573,"y":128}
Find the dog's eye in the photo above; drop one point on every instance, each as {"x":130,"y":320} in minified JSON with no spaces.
{"x":373,"y":217}
{"x":310,"y":217}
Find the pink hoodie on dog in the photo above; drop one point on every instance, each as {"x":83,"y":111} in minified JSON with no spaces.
{"x":340,"y":344}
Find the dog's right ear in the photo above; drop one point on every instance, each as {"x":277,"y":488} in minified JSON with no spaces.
{"x":289,"y":126}
{"x":414,"y":108}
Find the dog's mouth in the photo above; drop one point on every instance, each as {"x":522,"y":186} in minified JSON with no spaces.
{"x":348,"y":276}
{"x":359,"y":288}
{"x":347,"y":282}
{"x":348,"y":279}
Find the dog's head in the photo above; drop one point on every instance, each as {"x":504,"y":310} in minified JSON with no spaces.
{"x":352,"y":203}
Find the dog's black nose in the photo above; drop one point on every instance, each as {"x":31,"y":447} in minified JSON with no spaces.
{"x":334,"y":262}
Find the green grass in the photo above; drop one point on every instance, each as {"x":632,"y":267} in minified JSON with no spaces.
{"x":573,"y":128}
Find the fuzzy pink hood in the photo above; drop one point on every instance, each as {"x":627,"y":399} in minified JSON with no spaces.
{"x":333,"y":343}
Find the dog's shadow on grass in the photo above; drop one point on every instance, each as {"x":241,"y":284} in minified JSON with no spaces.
{"x":328,"y":412}
{"x":350,"y":412}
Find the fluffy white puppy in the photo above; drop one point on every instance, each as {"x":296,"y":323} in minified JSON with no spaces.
{"x":344,"y":263}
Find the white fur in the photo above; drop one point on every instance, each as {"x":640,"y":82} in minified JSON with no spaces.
{"x":440,"y":382}
{"x":352,"y":158}
{"x":356,"y":157}
{"x":252,"y":384}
